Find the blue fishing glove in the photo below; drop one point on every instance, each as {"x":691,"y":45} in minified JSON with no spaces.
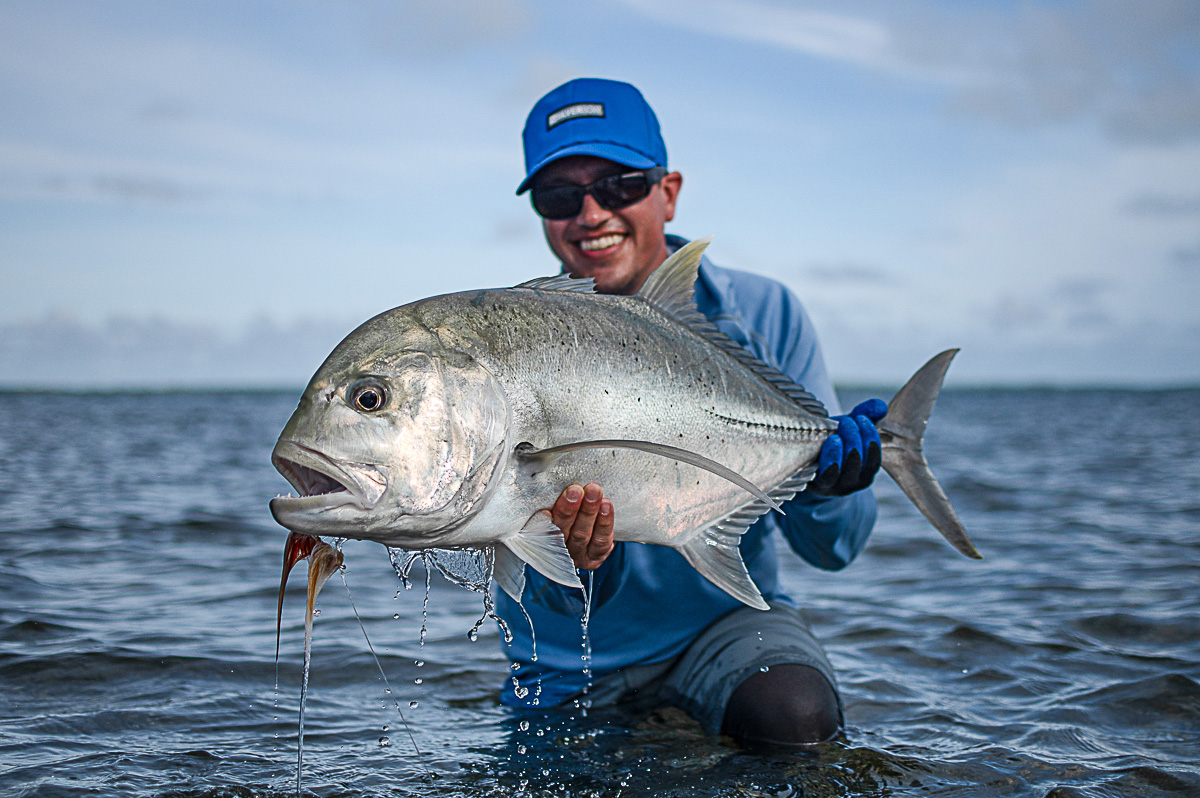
{"x":850,"y":459}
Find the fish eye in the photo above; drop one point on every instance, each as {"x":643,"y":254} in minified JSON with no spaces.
{"x":368,"y":395}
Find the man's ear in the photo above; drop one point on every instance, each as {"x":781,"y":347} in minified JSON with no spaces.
{"x":671,"y":183}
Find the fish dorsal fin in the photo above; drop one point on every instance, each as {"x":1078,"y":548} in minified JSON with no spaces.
{"x":560,"y":282}
{"x":672,"y":286}
{"x":672,"y":289}
{"x":540,"y":543}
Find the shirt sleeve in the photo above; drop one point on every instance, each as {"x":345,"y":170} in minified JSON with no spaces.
{"x":827,"y":532}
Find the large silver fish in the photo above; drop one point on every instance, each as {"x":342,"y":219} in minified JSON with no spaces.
{"x":454,"y":421}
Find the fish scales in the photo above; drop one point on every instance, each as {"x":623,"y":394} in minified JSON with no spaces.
{"x":616,"y":386}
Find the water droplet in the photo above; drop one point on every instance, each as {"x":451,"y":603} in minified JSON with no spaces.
{"x":515,"y":667}
{"x":385,"y":728}
{"x":395,"y":616}
{"x":541,"y":732}
{"x":473,"y":635}
{"x":385,"y":741}
{"x":420,"y":663}
{"x":412,"y":704}
{"x":523,"y":725}
{"x":764,"y":669}
{"x":520,"y":692}
{"x":418,"y":680}
{"x":316,"y":613}
{"x":521,"y":750}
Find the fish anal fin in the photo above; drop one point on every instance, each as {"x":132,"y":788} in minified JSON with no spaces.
{"x":540,"y":544}
{"x":716,"y":556}
{"x":509,"y":572}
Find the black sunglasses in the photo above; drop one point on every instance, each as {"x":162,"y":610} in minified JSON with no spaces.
{"x":611,"y":193}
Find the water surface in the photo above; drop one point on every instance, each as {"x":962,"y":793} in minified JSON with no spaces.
{"x":139,"y":567}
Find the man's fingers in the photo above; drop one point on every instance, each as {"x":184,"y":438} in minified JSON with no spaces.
{"x":874,"y":409}
{"x":828,"y":466}
{"x":601,"y":544}
{"x":567,"y":507}
{"x":872,"y":449}
{"x":580,"y":533}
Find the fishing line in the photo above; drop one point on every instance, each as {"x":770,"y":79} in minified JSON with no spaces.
{"x":386,"y":683}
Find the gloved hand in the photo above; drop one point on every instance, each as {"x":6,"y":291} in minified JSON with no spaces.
{"x":850,"y":458}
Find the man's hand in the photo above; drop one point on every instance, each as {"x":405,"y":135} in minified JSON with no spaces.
{"x":586,"y":519}
{"x":850,"y":459}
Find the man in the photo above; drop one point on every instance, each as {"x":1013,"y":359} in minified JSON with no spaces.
{"x":596,"y":167}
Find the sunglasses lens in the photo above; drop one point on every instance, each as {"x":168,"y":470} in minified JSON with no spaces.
{"x":614,"y":193}
{"x":557,"y":202}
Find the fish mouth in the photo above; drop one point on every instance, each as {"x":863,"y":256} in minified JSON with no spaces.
{"x":324,"y":482}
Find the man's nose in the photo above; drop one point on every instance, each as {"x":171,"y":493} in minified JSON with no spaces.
{"x":591,"y":214}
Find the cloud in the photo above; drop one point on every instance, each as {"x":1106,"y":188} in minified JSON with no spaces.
{"x":437,"y":29}
{"x":1187,"y":257}
{"x":59,"y":350}
{"x":1164,"y":206}
{"x":849,"y":272}
{"x":1126,"y":64}
{"x":812,"y":31}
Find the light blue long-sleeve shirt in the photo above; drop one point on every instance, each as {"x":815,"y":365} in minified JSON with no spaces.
{"x":649,"y":603}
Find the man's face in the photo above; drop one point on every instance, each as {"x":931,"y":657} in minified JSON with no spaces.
{"x":618,"y":249}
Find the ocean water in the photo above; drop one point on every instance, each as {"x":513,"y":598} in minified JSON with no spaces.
{"x":139,"y":568}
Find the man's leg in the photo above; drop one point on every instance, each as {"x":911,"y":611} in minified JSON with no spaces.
{"x":760,"y":677}
{"x":787,"y":705}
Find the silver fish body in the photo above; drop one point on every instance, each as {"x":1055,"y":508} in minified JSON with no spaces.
{"x":456,"y":420}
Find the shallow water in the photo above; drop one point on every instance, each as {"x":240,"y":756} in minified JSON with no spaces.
{"x":139,"y":566}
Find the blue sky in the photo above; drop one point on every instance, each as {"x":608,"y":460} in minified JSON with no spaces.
{"x":213,"y":193}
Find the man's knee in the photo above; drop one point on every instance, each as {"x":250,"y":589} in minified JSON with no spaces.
{"x":786,"y":705}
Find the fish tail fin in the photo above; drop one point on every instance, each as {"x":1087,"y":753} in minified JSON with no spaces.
{"x":902,"y":434}
{"x":715,"y":554}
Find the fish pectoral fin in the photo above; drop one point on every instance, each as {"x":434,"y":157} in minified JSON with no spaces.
{"x":526,"y":449}
{"x":715,"y":555}
{"x":509,"y":572}
{"x":540,"y":543}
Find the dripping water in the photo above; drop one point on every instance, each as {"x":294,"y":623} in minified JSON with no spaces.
{"x":584,"y":620}
{"x":387,"y":685}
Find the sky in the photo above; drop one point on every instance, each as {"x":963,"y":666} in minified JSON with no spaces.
{"x":214,"y":193}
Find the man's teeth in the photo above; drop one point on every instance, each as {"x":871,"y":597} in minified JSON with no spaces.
{"x":604,"y":242}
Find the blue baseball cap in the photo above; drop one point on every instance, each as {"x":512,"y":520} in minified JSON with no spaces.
{"x":592,"y":116}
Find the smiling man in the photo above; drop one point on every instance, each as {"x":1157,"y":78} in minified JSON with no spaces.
{"x":596,"y":171}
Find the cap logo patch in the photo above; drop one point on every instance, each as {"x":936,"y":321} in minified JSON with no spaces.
{"x":575,"y":111}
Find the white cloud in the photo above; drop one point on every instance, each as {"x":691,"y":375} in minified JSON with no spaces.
{"x":1127,"y":64}
{"x":60,"y":351}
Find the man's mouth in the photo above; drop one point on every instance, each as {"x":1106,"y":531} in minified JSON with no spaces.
{"x":601,"y":242}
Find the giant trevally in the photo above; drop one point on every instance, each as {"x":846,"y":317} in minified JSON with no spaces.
{"x":456,"y":420}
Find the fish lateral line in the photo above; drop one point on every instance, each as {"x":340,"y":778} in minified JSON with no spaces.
{"x":527,"y":450}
